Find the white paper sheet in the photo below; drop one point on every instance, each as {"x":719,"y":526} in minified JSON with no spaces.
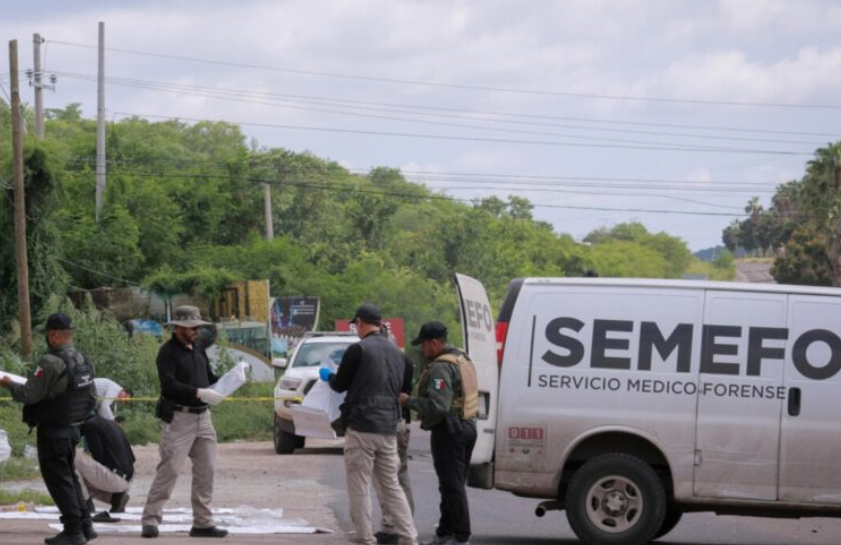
{"x":319,"y":409}
{"x":232,"y":380}
{"x":17,"y":379}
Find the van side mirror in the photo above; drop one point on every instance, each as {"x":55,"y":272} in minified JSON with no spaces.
{"x":280,"y":363}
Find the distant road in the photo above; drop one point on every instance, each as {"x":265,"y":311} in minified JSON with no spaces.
{"x":759,"y":273}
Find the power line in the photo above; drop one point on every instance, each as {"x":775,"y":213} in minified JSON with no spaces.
{"x":281,"y":100}
{"x":100,"y":273}
{"x":458,"y":86}
{"x":521,"y":185}
{"x":479,"y":139}
{"x":407,"y":195}
{"x":428,"y":175}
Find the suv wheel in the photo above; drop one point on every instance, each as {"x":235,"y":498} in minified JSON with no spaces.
{"x":616,"y":499}
{"x":285,"y":442}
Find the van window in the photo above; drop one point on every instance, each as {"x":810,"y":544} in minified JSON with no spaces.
{"x":310,"y":355}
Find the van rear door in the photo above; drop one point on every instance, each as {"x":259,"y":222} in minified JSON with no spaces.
{"x":477,"y":323}
{"x":810,"y":467}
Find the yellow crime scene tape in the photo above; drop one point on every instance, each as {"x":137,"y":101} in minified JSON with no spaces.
{"x":147,"y":399}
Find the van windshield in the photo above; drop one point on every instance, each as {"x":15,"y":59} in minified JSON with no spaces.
{"x":310,"y":355}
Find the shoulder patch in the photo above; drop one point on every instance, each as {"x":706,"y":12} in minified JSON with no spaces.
{"x":38,"y":372}
{"x":438,"y":384}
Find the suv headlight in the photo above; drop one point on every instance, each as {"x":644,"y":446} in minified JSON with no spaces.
{"x":291,"y":383}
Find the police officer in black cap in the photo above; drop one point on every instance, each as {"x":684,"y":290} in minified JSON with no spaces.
{"x":58,"y":396}
{"x":447,"y":402}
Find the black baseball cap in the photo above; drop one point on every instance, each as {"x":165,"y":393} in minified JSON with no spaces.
{"x":368,"y":313}
{"x":57,"y":322}
{"x":430,"y":330}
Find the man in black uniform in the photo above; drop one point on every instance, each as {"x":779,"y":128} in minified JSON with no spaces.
{"x":447,"y":402}
{"x":57,"y":398}
{"x":107,"y":465}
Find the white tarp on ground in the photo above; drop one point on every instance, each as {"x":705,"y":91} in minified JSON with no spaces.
{"x":239,"y":520}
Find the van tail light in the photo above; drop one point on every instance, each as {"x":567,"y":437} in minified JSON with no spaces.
{"x":501,"y":335}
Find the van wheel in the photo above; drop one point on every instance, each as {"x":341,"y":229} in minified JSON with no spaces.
{"x":673,"y":516}
{"x":616,"y":499}
{"x":285,"y":442}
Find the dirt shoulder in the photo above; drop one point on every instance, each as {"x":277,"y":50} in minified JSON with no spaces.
{"x":247,"y":474}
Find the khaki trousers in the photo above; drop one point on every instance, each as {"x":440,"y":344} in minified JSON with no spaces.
{"x":374,"y":455}
{"x":98,"y":482}
{"x":187,"y":435}
{"x":403,"y":436}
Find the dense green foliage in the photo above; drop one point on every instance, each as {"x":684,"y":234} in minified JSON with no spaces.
{"x":184,"y":213}
{"x":802,"y":227}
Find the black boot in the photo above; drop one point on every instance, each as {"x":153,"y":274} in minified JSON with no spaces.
{"x":88,"y":531}
{"x":67,"y":537}
{"x":119,"y":501}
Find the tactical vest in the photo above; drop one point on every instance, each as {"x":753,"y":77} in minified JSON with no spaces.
{"x":72,"y":405}
{"x":371,"y":402}
{"x":467,"y":405}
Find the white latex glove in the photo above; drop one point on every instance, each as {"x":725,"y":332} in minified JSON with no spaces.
{"x":211,"y":397}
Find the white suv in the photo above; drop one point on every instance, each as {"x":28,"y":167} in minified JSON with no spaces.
{"x":300,"y":376}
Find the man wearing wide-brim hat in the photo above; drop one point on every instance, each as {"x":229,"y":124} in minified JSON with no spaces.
{"x":58,"y":396}
{"x":187,"y":431}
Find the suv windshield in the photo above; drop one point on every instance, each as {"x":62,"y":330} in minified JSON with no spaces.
{"x":311,"y":354}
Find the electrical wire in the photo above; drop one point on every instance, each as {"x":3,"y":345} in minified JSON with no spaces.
{"x":434,"y":197}
{"x":100,"y":273}
{"x":532,"y":92}
{"x":280,"y":101}
{"x":445,"y":137}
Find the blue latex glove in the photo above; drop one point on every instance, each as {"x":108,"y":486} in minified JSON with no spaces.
{"x":325,"y":374}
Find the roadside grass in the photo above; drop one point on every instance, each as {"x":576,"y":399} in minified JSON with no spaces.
{"x":19,"y":469}
{"x":8,"y":497}
{"x":711,"y":271}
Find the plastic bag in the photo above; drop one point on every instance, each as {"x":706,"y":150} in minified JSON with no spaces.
{"x":232,"y":380}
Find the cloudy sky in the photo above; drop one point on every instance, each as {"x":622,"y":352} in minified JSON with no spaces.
{"x":673,"y":113}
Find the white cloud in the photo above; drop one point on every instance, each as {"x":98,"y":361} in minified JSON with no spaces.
{"x":731,"y":76}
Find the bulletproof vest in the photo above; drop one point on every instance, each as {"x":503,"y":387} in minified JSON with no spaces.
{"x":73,"y":404}
{"x":467,"y":404}
{"x":371,"y":402}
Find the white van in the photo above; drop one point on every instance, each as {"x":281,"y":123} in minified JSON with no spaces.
{"x":629,"y":402}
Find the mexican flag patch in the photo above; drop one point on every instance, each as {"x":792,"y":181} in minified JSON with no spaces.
{"x":438,"y":384}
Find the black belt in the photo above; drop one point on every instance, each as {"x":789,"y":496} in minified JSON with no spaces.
{"x":191,"y":410}
{"x":119,"y":473}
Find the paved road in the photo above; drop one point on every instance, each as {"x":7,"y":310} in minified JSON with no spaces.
{"x":310,"y":484}
{"x":499,"y":518}
{"x":754,"y":272}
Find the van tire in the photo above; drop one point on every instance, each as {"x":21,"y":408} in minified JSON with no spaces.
{"x":673,"y":516}
{"x":637,"y":501}
{"x":285,"y":442}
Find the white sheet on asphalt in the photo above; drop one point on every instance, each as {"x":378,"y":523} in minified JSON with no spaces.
{"x":240,"y":520}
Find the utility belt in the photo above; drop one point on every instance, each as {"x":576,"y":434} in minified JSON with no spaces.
{"x":191,"y":410}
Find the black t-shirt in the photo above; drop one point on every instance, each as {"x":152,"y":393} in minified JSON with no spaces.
{"x":108,"y":444}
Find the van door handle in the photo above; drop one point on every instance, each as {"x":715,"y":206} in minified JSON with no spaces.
{"x":794,"y":401}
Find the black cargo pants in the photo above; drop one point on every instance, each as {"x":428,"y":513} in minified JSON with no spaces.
{"x":56,"y":455}
{"x":452,"y":445}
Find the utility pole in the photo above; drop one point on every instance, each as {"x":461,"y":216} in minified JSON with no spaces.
{"x":24,"y":316}
{"x":100,"y":124}
{"x":39,"y":99}
{"x":267,"y":211}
